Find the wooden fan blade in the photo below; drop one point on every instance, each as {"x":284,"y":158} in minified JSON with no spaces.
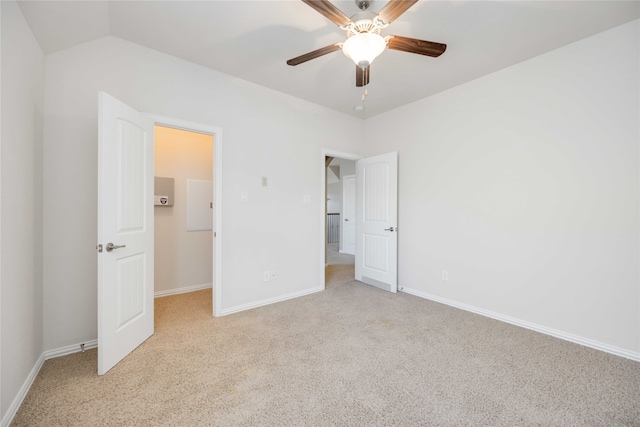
{"x":393,"y":9}
{"x":314,"y":54}
{"x":362,"y":76}
{"x":329,"y":11}
{"x":420,"y":47}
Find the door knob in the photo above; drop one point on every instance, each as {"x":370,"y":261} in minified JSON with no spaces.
{"x":386,"y":229}
{"x":346,"y":219}
{"x":111,"y":246}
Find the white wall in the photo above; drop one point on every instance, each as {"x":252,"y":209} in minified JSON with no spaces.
{"x":524,"y":185}
{"x":264,"y":134}
{"x":334,"y":198}
{"x":347,"y":167}
{"x":21,"y":211}
{"x":183,"y":259}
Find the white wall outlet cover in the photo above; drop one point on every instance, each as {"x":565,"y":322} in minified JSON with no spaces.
{"x":306,"y":199}
{"x":244,"y":197}
{"x":264,"y":181}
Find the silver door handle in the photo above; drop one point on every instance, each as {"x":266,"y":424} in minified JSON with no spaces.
{"x":111,"y":246}
{"x":386,"y":229}
{"x":346,"y":219}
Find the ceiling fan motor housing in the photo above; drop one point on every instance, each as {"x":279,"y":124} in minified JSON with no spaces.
{"x":364,"y":22}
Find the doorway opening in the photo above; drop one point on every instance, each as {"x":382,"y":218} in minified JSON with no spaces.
{"x":376,"y":241}
{"x":183,"y":211}
{"x":205,"y":188}
{"x":339,"y":218}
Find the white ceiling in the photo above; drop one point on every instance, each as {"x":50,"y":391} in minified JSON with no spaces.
{"x":252,"y":40}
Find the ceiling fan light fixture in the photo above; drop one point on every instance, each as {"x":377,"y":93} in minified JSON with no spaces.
{"x":363,"y":48}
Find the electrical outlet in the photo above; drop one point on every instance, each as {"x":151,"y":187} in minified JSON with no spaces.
{"x":264,"y":181}
{"x":273,"y":275}
{"x":266,"y":276}
{"x":445,"y":275}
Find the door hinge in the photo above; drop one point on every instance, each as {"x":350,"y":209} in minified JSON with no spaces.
{"x":99,"y":248}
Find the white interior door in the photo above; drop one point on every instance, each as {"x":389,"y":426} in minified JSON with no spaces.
{"x":125,"y":221}
{"x":377,"y":225}
{"x":349,"y":214}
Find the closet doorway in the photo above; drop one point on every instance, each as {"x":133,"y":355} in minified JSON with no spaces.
{"x":183,"y":237}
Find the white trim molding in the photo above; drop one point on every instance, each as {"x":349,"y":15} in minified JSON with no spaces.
{"x":269,"y":301}
{"x":183,"y":290}
{"x":22,"y":393}
{"x":528,"y":325}
{"x":70,"y":349}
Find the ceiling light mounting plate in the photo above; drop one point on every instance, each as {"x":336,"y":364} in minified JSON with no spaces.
{"x":363,"y":4}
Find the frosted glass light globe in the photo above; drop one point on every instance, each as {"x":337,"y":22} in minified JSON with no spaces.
{"x":363,"y":48}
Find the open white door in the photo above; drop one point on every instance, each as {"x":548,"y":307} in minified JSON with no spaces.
{"x":125,"y":231}
{"x":349,"y":213}
{"x":377,"y":225}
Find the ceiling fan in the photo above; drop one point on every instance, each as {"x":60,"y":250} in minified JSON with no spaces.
{"x":364,"y":42}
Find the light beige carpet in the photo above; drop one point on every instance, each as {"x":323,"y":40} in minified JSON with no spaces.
{"x":351,"y":355}
{"x":335,"y":257}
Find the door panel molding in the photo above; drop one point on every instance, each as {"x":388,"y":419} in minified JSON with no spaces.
{"x":377,"y":221}
{"x":125,"y":229}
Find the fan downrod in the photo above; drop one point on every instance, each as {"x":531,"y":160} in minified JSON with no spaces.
{"x":363,"y":4}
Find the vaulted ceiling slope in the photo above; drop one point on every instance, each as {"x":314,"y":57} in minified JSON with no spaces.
{"x":252,"y":40}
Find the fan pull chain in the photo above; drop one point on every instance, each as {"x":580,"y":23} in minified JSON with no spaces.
{"x":365,"y":91}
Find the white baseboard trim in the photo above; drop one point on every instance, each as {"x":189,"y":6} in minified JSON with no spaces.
{"x":268,"y":301}
{"x":528,"y":325}
{"x":70,"y":349}
{"x":182,"y":290}
{"x":46,"y":355}
{"x":22,"y":393}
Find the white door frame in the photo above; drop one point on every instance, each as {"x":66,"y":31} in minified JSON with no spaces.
{"x":217,"y":195}
{"x":323,"y":206}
